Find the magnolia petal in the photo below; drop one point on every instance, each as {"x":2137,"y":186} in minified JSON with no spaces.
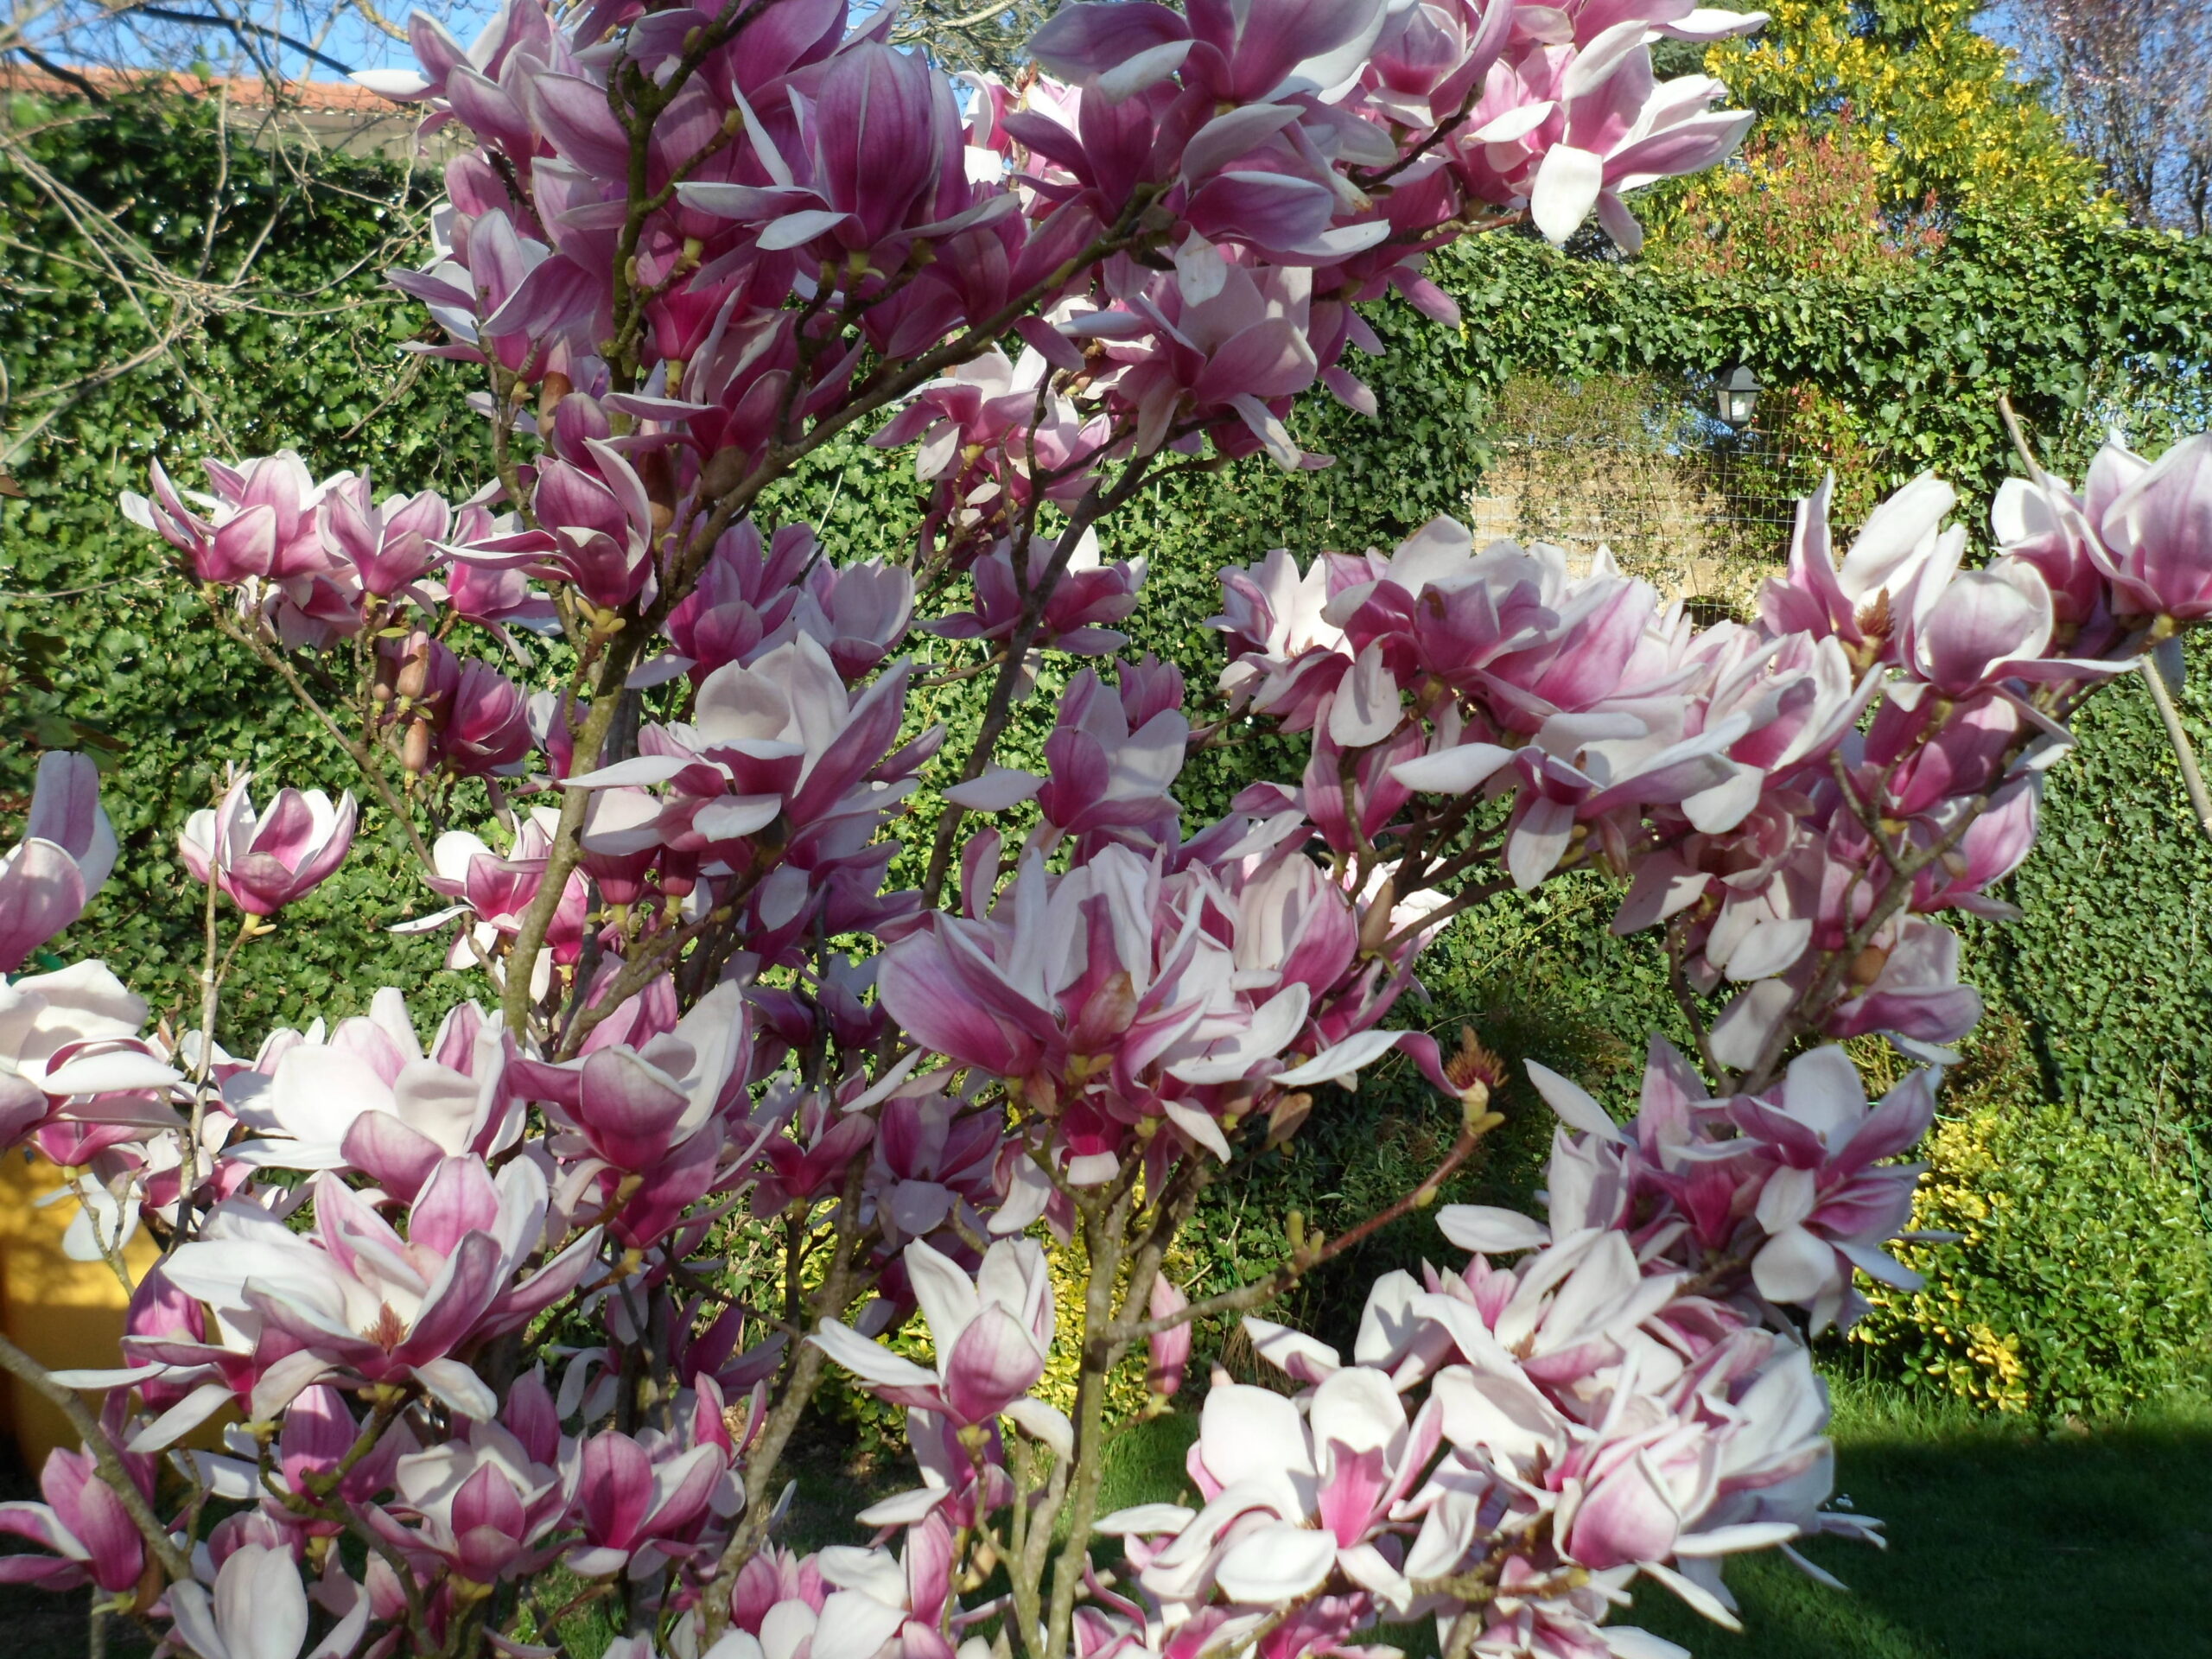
{"x":1045,"y":1423}
{"x":1726,"y":1540}
{"x":906,"y":1510}
{"x":999,"y":788}
{"x":1143,"y":1519}
{"x":1200,"y":1125}
{"x":1577,"y":1108}
{"x":1696,"y":1594}
{"x":1567,"y":182}
{"x":1276,"y":1563}
{"x":1452,"y":772}
{"x":1342,"y":1062}
{"x":1490,"y":1230}
{"x":870,"y":1361}
{"x":460,"y":1388}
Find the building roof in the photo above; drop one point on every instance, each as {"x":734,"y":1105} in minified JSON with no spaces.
{"x":247,"y":92}
{"x":337,"y":115}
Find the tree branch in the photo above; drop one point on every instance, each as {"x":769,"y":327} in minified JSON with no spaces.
{"x":106,"y":1457}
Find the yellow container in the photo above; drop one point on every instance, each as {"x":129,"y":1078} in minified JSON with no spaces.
{"x":65,"y":1314}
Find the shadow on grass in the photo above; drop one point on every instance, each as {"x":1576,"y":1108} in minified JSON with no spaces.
{"x":2006,"y":1543}
{"x":46,"y":1623}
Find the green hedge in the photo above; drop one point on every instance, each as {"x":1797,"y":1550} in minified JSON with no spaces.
{"x":2109,"y":965}
{"x":2079,"y":1283}
{"x":318,"y":370}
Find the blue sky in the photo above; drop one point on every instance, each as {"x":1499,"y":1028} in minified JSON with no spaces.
{"x":353,"y":43}
{"x":350,"y":40}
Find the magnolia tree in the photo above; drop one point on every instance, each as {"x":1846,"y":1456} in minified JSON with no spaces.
{"x":444,"y":1345}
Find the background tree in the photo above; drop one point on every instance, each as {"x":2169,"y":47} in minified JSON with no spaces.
{"x":2132,"y":81}
{"x":1945,"y":119}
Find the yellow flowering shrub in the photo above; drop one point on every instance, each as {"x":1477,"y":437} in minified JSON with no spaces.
{"x":2080,"y":1283}
{"x":1125,"y":1392}
{"x":1936,"y":101}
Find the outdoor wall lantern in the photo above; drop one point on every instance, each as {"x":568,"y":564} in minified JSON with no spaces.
{"x":1738,"y":396}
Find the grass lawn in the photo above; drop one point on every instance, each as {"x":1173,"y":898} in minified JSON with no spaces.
{"x":2006,"y":1543}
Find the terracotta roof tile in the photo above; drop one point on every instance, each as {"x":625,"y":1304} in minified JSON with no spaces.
{"x":313,"y":97}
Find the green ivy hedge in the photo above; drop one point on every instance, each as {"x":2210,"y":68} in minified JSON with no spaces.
{"x":308,"y":366}
{"x":2107,"y":965}
{"x":2078,"y":1281}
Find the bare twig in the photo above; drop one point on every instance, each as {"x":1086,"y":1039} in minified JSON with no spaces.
{"x":106,"y":1457}
{"x":2192,"y":777}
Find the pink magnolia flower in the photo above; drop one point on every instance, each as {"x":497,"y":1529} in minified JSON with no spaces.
{"x":498,"y":893}
{"x":1794,"y":1180}
{"x":851,"y":1603}
{"x":1914,"y":992}
{"x":1902,"y":559}
{"x":497,"y":599}
{"x":974,"y":438}
{"x":319,"y":1430}
{"x":1111,"y":762}
{"x":361,"y":1297}
{"x":1229,"y":338}
{"x":858,"y":613}
{"x":263,"y":861}
{"x":1828,"y":1200}
{"x":370,"y":1099}
{"x":1584,"y":1404}
{"x":636,"y":1108}
{"x":71,"y":1049}
{"x":1574,"y":131}
{"x":1284,"y":652}
{"x":2044,"y":525}
{"x":502,"y":296}
{"x":782,"y":742}
{"x":1292,"y":1496}
{"x":388,"y":543}
{"x":2156,"y":530}
{"x":1294,"y":926}
{"x":258,"y":1611}
{"x":881,"y":163}
{"x":990,"y":1334}
{"x":264,"y":522}
{"x":744,"y":596}
{"x":637,"y":1506}
{"x":1089,"y":593}
{"x":464,"y":714}
{"x":1066,"y":967}
{"x":1987,"y":626}
{"x":67,"y":849}
{"x":596,"y":527}
{"x":83,"y":1523}
{"x":1240,"y":56}
{"x":1994,"y":845}
{"x":934,"y":1157}
{"x":481,"y":1502}
{"x":806,"y":1162}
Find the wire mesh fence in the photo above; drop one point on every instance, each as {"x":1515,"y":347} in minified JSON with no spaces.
{"x":1702,"y":513}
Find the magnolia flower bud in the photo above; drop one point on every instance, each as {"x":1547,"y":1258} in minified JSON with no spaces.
{"x":1375,"y":926}
{"x":266,"y":861}
{"x":724,"y":471}
{"x":1170,"y":1348}
{"x":551,"y":390}
{"x":1866,"y":966}
{"x":413,"y":677}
